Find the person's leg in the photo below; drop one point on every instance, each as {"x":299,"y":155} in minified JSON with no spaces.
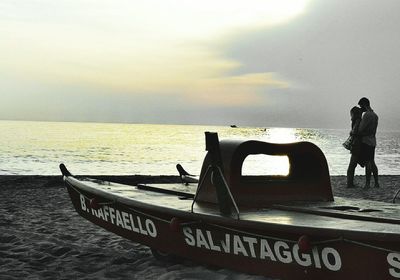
{"x":368,"y":170}
{"x":350,"y":171}
{"x":374,"y":170}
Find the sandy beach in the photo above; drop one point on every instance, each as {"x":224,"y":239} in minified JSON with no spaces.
{"x":42,"y":237}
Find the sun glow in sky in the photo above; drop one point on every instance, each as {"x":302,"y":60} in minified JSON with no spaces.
{"x":292,"y":63}
{"x":138,"y":46}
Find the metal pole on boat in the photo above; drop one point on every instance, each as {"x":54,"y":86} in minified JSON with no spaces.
{"x":212,"y":146}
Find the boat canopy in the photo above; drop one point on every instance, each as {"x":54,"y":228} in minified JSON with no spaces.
{"x":307,"y":180}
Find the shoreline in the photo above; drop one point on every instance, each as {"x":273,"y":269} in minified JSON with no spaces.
{"x":42,"y":237}
{"x":390,"y":184}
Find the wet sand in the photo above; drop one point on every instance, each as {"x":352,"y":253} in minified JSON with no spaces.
{"x":42,"y":237}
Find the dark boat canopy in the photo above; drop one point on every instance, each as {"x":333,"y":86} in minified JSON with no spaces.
{"x":308,"y":178}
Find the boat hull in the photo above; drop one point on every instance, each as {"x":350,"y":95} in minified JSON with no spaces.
{"x":273,"y":250}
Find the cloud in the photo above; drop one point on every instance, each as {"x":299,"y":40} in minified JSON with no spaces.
{"x":135,"y":46}
{"x":235,"y":91}
{"x":336,"y":53}
{"x":198,"y":73}
{"x":301,"y":63}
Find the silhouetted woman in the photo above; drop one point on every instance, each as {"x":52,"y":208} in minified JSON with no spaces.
{"x":353,"y":143}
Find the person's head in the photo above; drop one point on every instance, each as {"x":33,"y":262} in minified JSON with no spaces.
{"x":364,"y":103}
{"x":356,"y":113}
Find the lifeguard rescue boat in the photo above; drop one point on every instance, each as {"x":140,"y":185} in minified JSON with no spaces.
{"x":286,"y":227}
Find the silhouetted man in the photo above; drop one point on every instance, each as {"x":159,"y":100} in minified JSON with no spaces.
{"x":367,"y":132}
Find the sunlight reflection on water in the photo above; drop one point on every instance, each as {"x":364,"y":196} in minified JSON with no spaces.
{"x":96,"y":148}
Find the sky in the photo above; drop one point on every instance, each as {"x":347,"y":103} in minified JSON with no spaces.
{"x":265,"y":63}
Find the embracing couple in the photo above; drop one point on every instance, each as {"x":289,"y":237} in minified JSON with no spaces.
{"x":362,"y":142}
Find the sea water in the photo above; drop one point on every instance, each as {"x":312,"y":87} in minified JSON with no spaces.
{"x":37,"y":148}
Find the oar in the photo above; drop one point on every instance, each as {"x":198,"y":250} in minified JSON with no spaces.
{"x":166,"y":191}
